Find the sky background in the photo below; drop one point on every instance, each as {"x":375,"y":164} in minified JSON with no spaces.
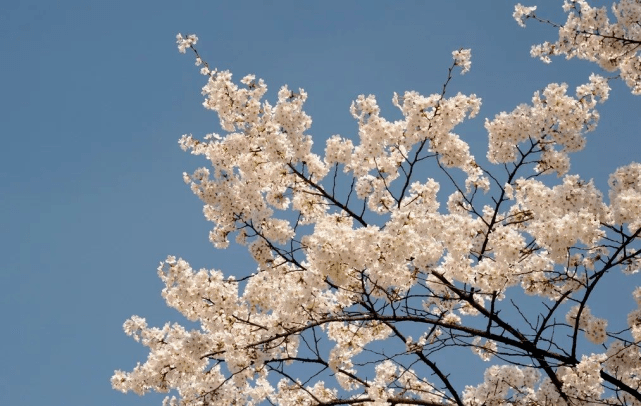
{"x":94,"y":96}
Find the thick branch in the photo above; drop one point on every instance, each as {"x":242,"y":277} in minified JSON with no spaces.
{"x":619,"y":384}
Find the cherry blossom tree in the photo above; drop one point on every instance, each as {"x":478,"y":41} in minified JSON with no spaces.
{"x":366,"y":278}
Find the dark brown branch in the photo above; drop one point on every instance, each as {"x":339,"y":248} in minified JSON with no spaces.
{"x":619,"y":384}
{"x":327,"y":195}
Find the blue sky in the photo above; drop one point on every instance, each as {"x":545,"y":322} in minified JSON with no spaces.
{"x":94,"y":97}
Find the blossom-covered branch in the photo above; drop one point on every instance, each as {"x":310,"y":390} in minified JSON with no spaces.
{"x":367,"y":279}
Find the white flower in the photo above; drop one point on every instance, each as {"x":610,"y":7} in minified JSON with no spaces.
{"x":463,"y":58}
{"x":186,"y":42}
{"x":521,"y":13}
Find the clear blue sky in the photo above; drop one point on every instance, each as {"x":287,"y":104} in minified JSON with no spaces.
{"x":94,"y":96}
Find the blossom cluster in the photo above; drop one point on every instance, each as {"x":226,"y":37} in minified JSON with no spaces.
{"x":463,"y":58}
{"x":625,"y":196}
{"x":588,"y":34}
{"x":595,"y":328}
{"x":185,"y":42}
{"x":555,"y":124}
{"x":521,"y":13}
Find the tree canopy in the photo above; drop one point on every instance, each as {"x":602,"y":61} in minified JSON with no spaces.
{"x":367,"y":278}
